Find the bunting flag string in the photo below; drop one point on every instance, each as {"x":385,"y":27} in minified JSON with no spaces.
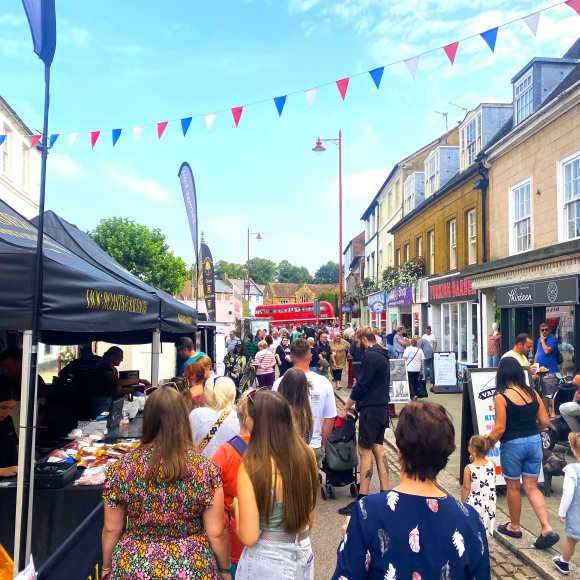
{"x":489,"y":36}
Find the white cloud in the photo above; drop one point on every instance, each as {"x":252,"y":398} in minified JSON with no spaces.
{"x":73,"y":35}
{"x":299,"y":6}
{"x":63,"y":166}
{"x":11,"y":19}
{"x":125,"y":49}
{"x":126,"y":180}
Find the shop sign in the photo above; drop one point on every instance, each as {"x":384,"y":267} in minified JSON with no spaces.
{"x":347,"y":307}
{"x":400,"y":296}
{"x":378,"y":307}
{"x":453,"y":289}
{"x":543,"y":293}
{"x":378,"y":297}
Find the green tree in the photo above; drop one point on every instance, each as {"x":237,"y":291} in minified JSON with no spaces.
{"x":327,"y":274}
{"x":331,"y":297}
{"x":287,"y":272}
{"x":143,"y":252}
{"x":230,"y":269}
{"x":262,"y":271}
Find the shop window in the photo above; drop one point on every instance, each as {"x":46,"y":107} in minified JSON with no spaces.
{"x":419,"y":246}
{"x":407,"y":252}
{"x":521,"y":217}
{"x":431,"y":250}
{"x":471,"y":237}
{"x":459,"y":323}
{"x":474,"y":334}
{"x":452,"y":237}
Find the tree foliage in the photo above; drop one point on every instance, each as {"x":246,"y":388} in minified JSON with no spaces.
{"x":142,"y":251}
{"x":332,"y":297}
{"x":287,"y":272}
{"x":327,"y":274}
{"x":230,"y":269}
{"x":262,"y":271}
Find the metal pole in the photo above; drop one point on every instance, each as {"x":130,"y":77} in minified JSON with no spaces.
{"x":248,"y":281}
{"x":27,"y":439}
{"x":340,"y":228}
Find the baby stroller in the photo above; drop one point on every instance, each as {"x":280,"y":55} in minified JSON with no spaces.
{"x":340,"y":462}
{"x":559,"y":435}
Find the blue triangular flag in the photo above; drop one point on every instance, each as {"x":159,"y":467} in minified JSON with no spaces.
{"x":280,"y":102}
{"x":2,"y":139}
{"x":377,"y":75}
{"x":53,"y":139}
{"x":185,"y":123}
{"x":116,"y":135}
{"x":490,"y":37}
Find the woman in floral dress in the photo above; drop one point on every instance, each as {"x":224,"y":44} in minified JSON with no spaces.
{"x":415,"y":531}
{"x":174,"y":502}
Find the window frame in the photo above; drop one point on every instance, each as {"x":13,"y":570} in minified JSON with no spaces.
{"x":471,"y":236}
{"x":7,"y":151}
{"x":527,"y":94}
{"x":470,"y":145}
{"x":419,"y":246}
{"x":513,"y":250}
{"x":431,"y":251}
{"x":563,"y":222}
{"x":432,"y":180}
{"x":406,"y":251}
{"x":452,"y":243}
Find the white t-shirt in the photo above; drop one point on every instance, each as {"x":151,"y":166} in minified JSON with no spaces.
{"x":322,"y":403}
{"x":203,"y":419}
{"x":412,"y":352}
{"x":431,"y":338}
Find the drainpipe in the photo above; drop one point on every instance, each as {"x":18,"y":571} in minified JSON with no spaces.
{"x":483,"y":184}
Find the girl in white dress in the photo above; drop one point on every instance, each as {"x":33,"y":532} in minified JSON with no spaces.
{"x":479,"y":482}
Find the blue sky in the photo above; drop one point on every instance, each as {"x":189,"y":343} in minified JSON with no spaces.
{"x":122,"y":64}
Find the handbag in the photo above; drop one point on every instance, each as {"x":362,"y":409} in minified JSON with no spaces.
{"x":421,"y":389}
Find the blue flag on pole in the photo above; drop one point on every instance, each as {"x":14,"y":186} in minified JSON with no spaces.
{"x":41,"y":16}
{"x":189,"y":197}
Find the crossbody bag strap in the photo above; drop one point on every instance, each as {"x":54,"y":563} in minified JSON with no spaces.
{"x":413,"y":356}
{"x":212,"y":431}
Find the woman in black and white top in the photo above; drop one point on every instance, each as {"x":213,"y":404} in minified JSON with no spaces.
{"x":415,"y":360}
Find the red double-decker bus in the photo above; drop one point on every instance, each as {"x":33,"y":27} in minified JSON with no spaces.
{"x":295,"y":313}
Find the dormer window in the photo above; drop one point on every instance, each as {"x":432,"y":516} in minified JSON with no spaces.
{"x":413,"y":191}
{"x":432,"y":173}
{"x":523,"y":99}
{"x":470,"y":141}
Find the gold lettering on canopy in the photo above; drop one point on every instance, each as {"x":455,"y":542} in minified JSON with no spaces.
{"x":10,"y":220}
{"x":99,"y":300}
{"x":185,"y":319}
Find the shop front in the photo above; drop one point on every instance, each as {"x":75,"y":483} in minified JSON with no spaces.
{"x":454,"y":318}
{"x":399,"y":303}
{"x":524,"y":307}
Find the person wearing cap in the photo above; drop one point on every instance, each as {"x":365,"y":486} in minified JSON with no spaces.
{"x":239,"y":367}
{"x":186,"y":352}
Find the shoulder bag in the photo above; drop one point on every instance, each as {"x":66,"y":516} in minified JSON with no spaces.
{"x":205,"y":441}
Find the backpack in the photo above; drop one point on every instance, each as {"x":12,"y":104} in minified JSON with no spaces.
{"x":238,"y":444}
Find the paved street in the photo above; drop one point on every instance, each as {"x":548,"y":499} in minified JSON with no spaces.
{"x":514,"y":562}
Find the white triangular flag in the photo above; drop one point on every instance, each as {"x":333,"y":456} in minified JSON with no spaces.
{"x":412,"y":64}
{"x":532,"y":21}
{"x":209,"y":119}
{"x":72,"y":138}
{"x":311,"y":95}
{"x":137,"y":132}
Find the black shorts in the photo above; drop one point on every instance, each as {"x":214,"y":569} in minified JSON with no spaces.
{"x":337,"y":374}
{"x":373,"y":421}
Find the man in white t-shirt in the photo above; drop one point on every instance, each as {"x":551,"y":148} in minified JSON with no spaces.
{"x":321,"y":396}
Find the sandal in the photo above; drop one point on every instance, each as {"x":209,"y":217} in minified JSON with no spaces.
{"x":503,"y":529}
{"x":546,"y":541}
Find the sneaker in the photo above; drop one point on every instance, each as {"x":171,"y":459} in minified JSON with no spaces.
{"x":564,"y":567}
{"x":347,"y":509}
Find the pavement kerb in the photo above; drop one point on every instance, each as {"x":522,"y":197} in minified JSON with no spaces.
{"x":539,"y":560}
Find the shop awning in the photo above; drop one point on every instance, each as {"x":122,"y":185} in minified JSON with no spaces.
{"x":80,"y":302}
{"x":175,"y":318}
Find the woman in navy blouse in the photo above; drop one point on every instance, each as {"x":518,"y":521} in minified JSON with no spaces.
{"x":415,"y":531}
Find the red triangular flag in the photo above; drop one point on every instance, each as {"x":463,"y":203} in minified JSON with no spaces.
{"x":451,"y":51}
{"x":575,"y":5}
{"x":160,"y":128}
{"x":94,"y":138}
{"x":237,"y":113}
{"x":34,"y":141}
{"x":342,"y":85}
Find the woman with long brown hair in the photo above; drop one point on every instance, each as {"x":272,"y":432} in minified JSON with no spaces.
{"x":277,"y":488}
{"x":173,"y":500}
{"x":198,"y":373}
{"x":295,"y":389}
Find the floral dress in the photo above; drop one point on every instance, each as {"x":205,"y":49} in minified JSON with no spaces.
{"x":398,"y":536}
{"x":482,"y":495}
{"x":164,"y":537}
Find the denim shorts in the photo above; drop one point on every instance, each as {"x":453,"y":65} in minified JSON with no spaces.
{"x":283,"y":561}
{"x":521,"y":457}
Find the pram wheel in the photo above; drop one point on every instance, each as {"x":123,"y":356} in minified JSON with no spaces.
{"x":548,"y":439}
{"x":330,"y":491}
{"x":323,"y":493}
{"x":353,"y":489}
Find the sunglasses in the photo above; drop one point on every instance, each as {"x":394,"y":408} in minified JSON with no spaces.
{"x":544,"y":330}
{"x":150,"y":390}
{"x":250,"y":394}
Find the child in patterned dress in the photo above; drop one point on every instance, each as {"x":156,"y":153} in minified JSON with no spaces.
{"x":569,"y":511}
{"x":479,"y":482}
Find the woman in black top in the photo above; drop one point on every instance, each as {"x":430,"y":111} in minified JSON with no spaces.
{"x":518,"y":412}
{"x":8,"y":437}
{"x":282,"y":355}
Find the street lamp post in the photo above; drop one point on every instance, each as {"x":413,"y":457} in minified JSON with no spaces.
{"x":258,"y":237}
{"x":319,"y":148}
